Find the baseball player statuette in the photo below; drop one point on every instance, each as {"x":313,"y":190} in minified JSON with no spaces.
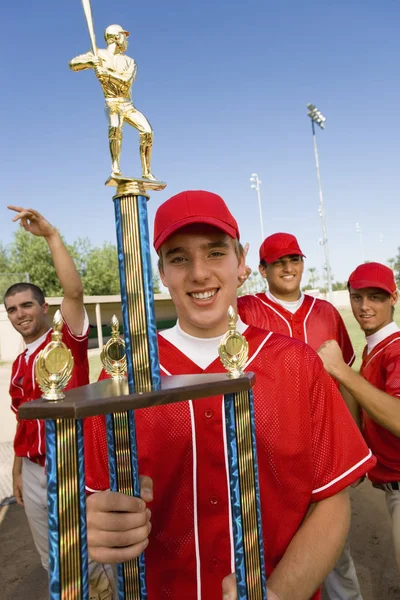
{"x":116,"y":73}
{"x":117,"y":398}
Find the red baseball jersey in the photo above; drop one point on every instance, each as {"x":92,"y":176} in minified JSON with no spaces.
{"x":315,"y":322}
{"x":381,"y":367}
{"x":308,"y":449}
{"x":30,"y":439}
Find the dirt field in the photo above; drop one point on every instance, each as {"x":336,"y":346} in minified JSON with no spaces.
{"x":22,"y":577}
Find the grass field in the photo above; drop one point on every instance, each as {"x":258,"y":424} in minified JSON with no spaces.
{"x":355,"y":333}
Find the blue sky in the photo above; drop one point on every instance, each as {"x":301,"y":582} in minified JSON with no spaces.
{"x":225,"y":86}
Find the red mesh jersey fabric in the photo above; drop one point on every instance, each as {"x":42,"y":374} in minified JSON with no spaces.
{"x":315,"y":322}
{"x":308,"y":449}
{"x":382,"y":369}
{"x":29,"y":439}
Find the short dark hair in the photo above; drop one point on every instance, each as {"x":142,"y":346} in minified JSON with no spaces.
{"x":23,"y":287}
{"x":263,"y":262}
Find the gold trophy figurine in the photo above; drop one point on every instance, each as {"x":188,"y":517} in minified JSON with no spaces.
{"x":113,"y":354}
{"x":54,"y":364}
{"x":233,"y":348}
{"x":116,"y":73}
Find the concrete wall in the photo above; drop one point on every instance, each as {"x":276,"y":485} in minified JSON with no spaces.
{"x":100,"y":310}
{"x":340,"y":299}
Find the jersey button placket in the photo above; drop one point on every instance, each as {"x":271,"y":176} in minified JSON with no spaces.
{"x":214,"y":562}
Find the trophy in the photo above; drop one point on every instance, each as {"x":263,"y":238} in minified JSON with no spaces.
{"x":54,"y":364}
{"x":113,"y":354}
{"x":120,"y":396}
{"x":243,"y":473}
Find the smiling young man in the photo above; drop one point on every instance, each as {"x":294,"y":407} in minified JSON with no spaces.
{"x":309,"y":449}
{"x":373,"y":295}
{"x":284,"y":308}
{"x":27,"y":311}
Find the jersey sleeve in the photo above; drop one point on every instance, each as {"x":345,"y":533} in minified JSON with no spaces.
{"x":252,"y":312}
{"x":392,"y":379}
{"x":343,"y":339}
{"x":78,"y":344}
{"x":96,"y":451}
{"x":340,"y":454}
{"x":96,"y":454}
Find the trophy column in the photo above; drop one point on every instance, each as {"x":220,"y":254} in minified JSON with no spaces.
{"x":243,"y":471}
{"x":141,"y":353}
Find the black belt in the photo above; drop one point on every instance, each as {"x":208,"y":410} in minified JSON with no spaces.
{"x":393,"y":486}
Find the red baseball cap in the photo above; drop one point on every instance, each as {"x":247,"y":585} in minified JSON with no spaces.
{"x":277,"y":245}
{"x":193,"y":206}
{"x":373,"y":275}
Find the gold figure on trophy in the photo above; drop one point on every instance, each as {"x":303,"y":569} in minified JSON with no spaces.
{"x":116,"y":73}
{"x":113,"y":354}
{"x":233,"y":348}
{"x":54,"y":364}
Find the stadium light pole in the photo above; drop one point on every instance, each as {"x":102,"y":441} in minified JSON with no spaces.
{"x":317,"y":117}
{"x":255,"y":185}
{"x":359,"y":231}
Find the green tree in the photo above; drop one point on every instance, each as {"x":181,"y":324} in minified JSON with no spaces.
{"x":97,"y":266}
{"x":394,"y":264}
{"x":313,"y":277}
{"x":4,"y":260}
{"x":30,"y":254}
{"x":80,"y":251}
{"x":156,"y":282}
{"x":253,"y":284}
{"x":100,"y":276}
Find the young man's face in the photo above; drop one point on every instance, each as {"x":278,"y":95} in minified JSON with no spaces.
{"x":27,"y":316}
{"x":372,"y":308}
{"x":201,"y":269}
{"x":284,"y":277}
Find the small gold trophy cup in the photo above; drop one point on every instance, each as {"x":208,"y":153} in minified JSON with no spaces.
{"x":113,"y":354}
{"x":54,"y":364}
{"x":233,"y":348}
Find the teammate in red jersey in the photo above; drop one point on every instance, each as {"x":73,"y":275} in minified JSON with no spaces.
{"x":376,"y":388}
{"x":285,"y":309}
{"x":27,"y":311}
{"x":309,"y":449}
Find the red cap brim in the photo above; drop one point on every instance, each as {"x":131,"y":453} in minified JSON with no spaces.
{"x":274,"y":256}
{"x":359,"y":284}
{"x":191,"y":220}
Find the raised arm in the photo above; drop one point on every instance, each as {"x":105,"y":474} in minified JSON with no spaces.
{"x":72,"y":307}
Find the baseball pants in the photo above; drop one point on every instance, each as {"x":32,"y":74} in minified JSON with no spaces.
{"x":34,"y":492}
{"x":342,"y":581}
{"x":393,"y":504}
